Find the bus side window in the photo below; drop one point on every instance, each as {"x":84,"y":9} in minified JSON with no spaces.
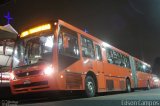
{"x":98,"y":52}
{"x":66,"y":40}
{"x":114,"y":57}
{"x":139,"y":66}
{"x":68,"y":48}
{"x":68,"y":43}
{"x":109,"y":54}
{"x":117,"y":60}
{"x":125,"y":61}
{"x":142,"y":67}
{"x":148,"y":69}
{"x":87,"y":47}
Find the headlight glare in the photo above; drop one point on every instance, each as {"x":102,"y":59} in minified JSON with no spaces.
{"x":12,"y":76}
{"x":48,"y":70}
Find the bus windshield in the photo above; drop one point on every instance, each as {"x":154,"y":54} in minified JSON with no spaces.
{"x":33,"y":50}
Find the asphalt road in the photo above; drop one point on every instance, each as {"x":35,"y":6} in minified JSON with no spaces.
{"x":136,"y":98}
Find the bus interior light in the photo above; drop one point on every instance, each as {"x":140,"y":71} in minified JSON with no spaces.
{"x":106,"y":45}
{"x":144,"y":66}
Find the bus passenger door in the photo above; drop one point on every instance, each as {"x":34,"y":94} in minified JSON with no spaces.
{"x":99,"y":68}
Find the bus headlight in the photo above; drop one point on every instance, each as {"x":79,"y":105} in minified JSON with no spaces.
{"x":12,"y":76}
{"x":48,"y":70}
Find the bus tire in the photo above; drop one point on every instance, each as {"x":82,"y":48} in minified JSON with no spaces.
{"x":90,"y":86}
{"x":148,"y":85}
{"x":128,"y":86}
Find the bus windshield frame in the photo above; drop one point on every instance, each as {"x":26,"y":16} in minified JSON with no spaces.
{"x":33,"y":50}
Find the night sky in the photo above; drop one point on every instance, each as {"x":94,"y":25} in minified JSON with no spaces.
{"x":130,"y":25}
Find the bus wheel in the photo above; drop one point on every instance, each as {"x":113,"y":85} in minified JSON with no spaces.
{"x":148,"y":85}
{"x":90,"y":88}
{"x":128,"y":86}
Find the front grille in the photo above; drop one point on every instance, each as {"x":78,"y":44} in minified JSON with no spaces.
{"x":35,"y":72}
{"x":31,"y":84}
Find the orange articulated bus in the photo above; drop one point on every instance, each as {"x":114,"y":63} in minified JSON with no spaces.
{"x":60,"y":57}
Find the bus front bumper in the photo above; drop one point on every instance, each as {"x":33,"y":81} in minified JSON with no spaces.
{"x":33,"y":84}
